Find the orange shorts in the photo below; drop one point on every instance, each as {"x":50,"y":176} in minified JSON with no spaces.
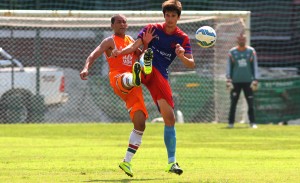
{"x":133,"y":98}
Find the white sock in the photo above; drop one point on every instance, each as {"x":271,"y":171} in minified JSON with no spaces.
{"x":135,"y":140}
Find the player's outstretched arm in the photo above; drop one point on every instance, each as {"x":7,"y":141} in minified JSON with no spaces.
{"x":129,"y":49}
{"x":105,"y":45}
{"x":148,"y":35}
{"x":186,"y":59}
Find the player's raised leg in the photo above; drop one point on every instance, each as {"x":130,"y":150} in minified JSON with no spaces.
{"x":148,"y":56}
{"x":136,"y":73}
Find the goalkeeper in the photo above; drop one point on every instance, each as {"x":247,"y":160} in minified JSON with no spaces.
{"x":241,"y":74}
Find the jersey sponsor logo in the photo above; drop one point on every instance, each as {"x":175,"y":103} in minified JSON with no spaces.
{"x":162,"y":53}
{"x":242,"y":62}
{"x":166,"y":55}
{"x":127,"y":60}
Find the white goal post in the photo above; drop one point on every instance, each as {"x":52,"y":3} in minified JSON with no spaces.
{"x":135,"y":16}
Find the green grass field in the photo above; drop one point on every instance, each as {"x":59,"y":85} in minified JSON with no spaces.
{"x":91,"y":152}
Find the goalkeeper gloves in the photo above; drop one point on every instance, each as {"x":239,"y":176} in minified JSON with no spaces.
{"x":254,"y":85}
{"x":229,"y":85}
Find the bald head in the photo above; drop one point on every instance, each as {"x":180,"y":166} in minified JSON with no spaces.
{"x":119,"y":24}
{"x":117,"y":16}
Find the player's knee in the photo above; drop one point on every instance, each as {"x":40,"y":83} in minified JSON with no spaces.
{"x":169,"y":120}
{"x":139,"y":120}
{"x":141,"y":126}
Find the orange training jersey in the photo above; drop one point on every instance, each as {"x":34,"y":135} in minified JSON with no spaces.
{"x":121,"y":63}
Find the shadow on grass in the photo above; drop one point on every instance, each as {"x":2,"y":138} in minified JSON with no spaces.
{"x":124,"y":180}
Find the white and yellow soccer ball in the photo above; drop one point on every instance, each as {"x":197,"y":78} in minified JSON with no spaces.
{"x":206,"y":36}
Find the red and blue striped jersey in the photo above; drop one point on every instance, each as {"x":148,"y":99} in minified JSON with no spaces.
{"x":164,"y":45}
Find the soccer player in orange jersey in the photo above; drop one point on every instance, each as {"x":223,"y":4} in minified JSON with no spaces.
{"x":125,"y":79}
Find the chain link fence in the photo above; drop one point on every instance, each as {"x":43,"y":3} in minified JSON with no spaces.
{"x":44,"y":51}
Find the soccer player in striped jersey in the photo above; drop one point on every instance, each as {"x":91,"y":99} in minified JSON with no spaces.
{"x":167,"y":42}
{"x":125,"y":79}
{"x":242,"y":74}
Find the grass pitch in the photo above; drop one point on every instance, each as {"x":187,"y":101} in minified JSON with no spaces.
{"x":91,"y":152}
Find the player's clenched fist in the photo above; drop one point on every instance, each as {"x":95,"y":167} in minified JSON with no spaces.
{"x":179,"y":50}
{"x":83,"y":74}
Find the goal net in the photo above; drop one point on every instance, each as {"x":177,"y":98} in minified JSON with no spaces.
{"x":64,"y":39}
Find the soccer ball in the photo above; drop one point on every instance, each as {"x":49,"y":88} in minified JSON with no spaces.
{"x":206,"y":36}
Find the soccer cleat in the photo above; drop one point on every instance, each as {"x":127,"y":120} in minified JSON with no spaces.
{"x":253,"y":125}
{"x":148,"y":56}
{"x":136,"y":74}
{"x":174,"y":168}
{"x":126,"y":167}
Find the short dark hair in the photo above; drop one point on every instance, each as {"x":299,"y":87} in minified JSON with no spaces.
{"x":172,"y":5}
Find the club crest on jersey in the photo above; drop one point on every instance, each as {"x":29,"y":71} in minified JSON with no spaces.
{"x":242,"y":62}
{"x":127,"y":60}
